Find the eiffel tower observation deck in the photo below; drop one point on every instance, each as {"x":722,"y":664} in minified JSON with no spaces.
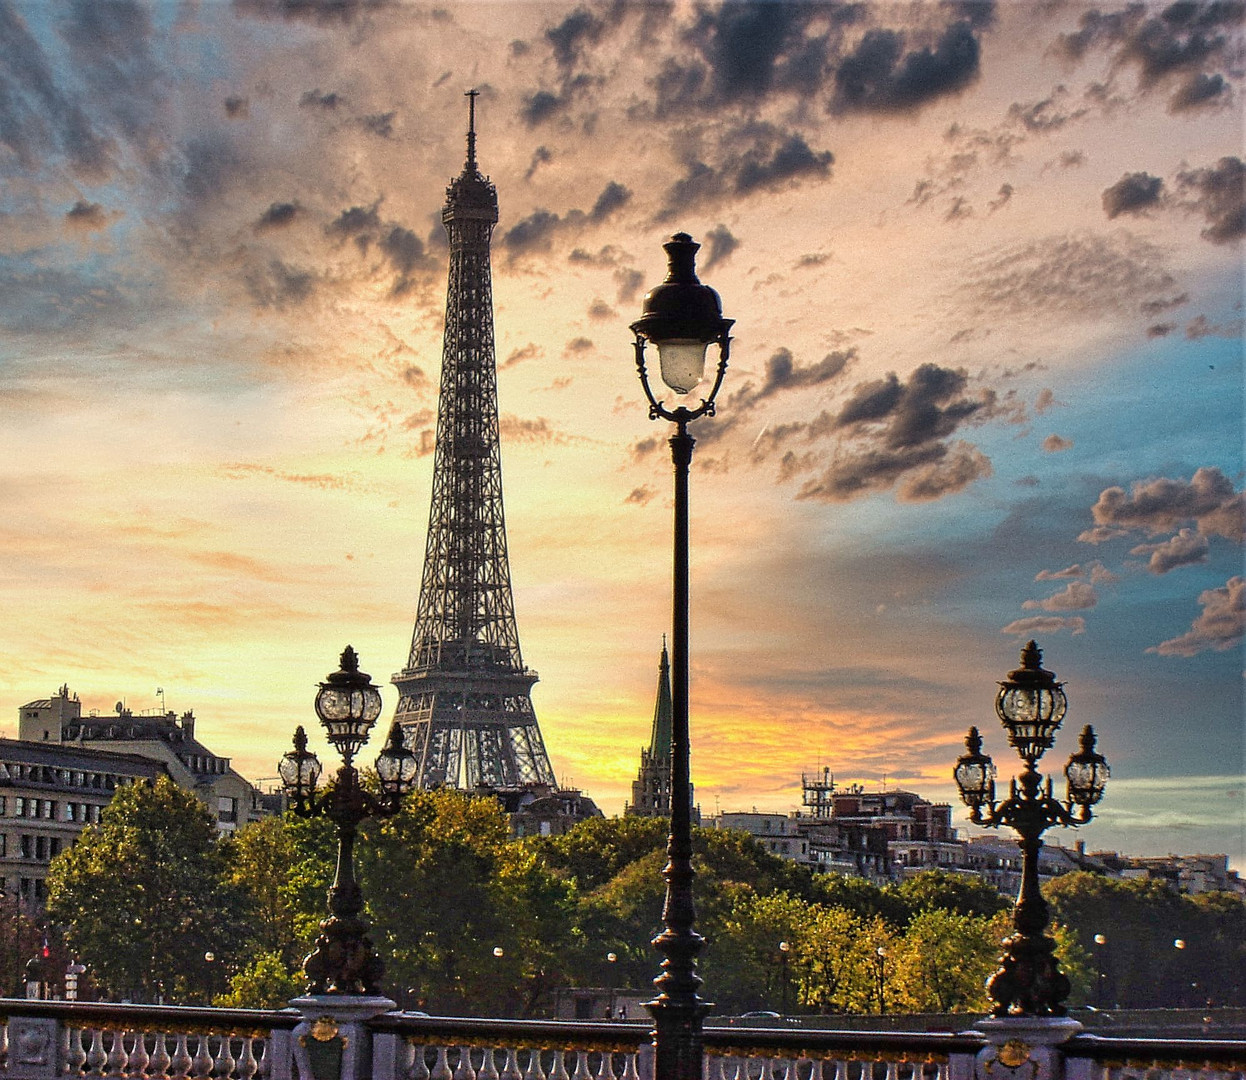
{"x":465,"y":695}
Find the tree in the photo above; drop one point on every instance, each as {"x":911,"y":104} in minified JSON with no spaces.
{"x":470,"y":922}
{"x":861,"y":897}
{"x":942,"y":962}
{"x":960,"y":894}
{"x":143,"y":900}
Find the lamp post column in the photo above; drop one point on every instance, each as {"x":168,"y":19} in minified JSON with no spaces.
{"x":679,"y":1010}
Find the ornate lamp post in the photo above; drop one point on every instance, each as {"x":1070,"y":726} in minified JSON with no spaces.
{"x":681,"y":317}
{"x":344,"y":960}
{"x":880,"y":977}
{"x":1031,"y":706}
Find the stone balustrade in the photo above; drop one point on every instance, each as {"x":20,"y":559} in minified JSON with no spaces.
{"x":48,"y":1040}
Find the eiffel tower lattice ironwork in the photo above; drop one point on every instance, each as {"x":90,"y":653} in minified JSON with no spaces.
{"x":465,"y":695}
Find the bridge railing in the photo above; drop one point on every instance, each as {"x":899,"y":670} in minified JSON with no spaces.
{"x":49,"y":1040}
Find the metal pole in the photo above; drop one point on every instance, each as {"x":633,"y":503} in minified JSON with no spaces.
{"x":678,"y":1010}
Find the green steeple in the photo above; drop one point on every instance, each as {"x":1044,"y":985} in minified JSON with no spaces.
{"x":660,"y":743}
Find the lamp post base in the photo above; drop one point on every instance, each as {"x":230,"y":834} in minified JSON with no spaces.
{"x":1023,"y":1047}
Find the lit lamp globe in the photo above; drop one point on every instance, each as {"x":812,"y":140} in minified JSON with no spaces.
{"x":1031,"y":705}
{"x":348,"y":705}
{"x":682,"y":317}
{"x":396,"y":766}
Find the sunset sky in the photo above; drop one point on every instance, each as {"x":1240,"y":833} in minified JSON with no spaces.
{"x":986,"y":383}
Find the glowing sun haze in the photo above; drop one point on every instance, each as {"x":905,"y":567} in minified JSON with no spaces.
{"x":986,"y":382}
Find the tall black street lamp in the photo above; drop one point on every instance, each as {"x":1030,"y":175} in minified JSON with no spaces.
{"x":344,"y":960}
{"x":1031,"y":706}
{"x":1101,"y":941}
{"x":880,"y":977}
{"x":682,"y":318}
{"x":784,"y":949}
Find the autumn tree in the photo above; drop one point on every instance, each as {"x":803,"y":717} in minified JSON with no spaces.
{"x":143,"y":898}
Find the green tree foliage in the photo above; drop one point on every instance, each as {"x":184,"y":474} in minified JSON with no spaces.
{"x":446,"y":890}
{"x":942,"y":962}
{"x":961,"y":894}
{"x":265,"y":983}
{"x":142,"y":898}
{"x":1138,"y":965}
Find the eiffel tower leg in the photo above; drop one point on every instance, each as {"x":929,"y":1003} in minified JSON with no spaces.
{"x":678,"y":1010}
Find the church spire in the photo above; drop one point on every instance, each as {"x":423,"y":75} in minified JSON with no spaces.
{"x":660,"y":740}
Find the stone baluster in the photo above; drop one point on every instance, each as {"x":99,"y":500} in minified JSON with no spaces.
{"x":605,"y":1071}
{"x":815,"y":1069}
{"x":419,"y":1063}
{"x":559,"y":1069}
{"x":179,"y":1064}
{"x":201,"y":1063}
{"x":534,"y":1070}
{"x":117,"y":1058}
{"x":488,"y":1068}
{"x":139,"y":1058}
{"x":75,"y":1052}
{"x":224,"y":1063}
{"x":841,"y":1069}
{"x":247,"y":1065}
{"x":97,"y":1056}
{"x":159,"y":1064}
{"x":581,"y":1066}
{"x":510,"y":1070}
{"x":629,"y":1067}
{"x":464,"y":1070}
{"x":441,"y":1069}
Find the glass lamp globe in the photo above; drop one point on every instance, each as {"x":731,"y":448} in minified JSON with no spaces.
{"x":1087,"y":772}
{"x":1031,"y":705}
{"x":682,"y":317}
{"x":396,"y":766}
{"x":975,"y":773}
{"x":348,"y":705}
{"x":299,"y":770}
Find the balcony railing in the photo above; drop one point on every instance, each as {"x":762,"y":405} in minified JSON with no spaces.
{"x":46,"y":1040}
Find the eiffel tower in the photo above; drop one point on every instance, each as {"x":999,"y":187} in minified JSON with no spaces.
{"x":465,"y":695}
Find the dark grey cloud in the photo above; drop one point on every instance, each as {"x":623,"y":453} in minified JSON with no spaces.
{"x":404,"y":249}
{"x":921,"y":473}
{"x":236,"y":107}
{"x":359,"y":222}
{"x":320,"y":12}
{"x":1218,"y":192}
{"x":629,"y":281}
{"x":880,"y":76}
{"x":783,"y":373}
{"x":722,"y":245}
{"x":209,"y":163}
{"x":536,"y":232}
{"x":539,"y":106}
{"x":379,"y":124}
{"x":612,"y":197}
{"x":39,"y":119}
{"x":314,"y":99}
{"x":1186,"y":43}
{"x":748,"y":157}
{"x":1132,"y":194}
{"x":279,"y":286}
{"x":930,"y":406}
{"x":1163,"y":303}
{"x":277,"y":216}
{"x":542,"y":155}
{"x":86,"y":215}
{"x":576,"y":33}
{"x":1200,"y":91}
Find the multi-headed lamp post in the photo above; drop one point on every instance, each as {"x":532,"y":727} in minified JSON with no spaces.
{"x":681,"y":318}
{"x":344,"y":960}
{"x":1031,"y":706}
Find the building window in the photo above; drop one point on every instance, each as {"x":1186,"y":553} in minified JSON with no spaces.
{"x":28,"y":848}
{"x":226,"y":809}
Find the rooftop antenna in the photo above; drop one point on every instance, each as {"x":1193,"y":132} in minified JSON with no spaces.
{"x":471,"y":96}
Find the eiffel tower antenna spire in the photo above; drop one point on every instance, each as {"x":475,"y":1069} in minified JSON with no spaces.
{"x":465,"y":695}
{"x":471,"y":96}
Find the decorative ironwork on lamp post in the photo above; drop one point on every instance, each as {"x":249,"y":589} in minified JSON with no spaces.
{"x":681,"y":317}
{"x":344,"y":960}
{"x":1031,"y":706}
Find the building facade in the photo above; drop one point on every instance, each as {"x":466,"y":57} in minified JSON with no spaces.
{"x":162,"y":737}
{"x":49,"y":793}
